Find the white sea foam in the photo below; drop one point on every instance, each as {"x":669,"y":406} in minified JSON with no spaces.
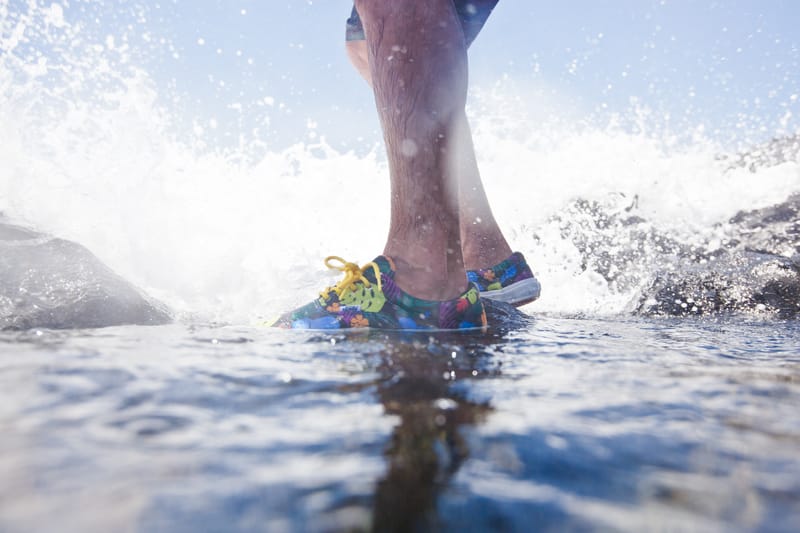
{"x":90,"y":152}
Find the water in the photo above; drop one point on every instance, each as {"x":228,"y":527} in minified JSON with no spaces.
{"x":655,"y":385}
{"x":567,"y":424}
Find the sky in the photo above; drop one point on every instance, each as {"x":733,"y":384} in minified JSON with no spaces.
{"x":726,"y":65}
{"x":232,"y":70}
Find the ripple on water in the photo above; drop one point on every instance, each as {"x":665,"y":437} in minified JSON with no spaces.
{"x":581,"y":423}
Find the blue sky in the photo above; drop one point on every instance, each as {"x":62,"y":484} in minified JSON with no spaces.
{"x":728,"y":65}
{"x":732,"y":66}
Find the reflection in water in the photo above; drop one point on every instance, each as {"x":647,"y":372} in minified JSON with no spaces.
{"x":426,"y":447}
{"x":418,"y":384}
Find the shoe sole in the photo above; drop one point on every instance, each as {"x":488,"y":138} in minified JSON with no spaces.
{"x":517,"y":294}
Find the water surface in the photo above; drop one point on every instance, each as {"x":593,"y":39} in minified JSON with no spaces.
{"x":626,"y":424}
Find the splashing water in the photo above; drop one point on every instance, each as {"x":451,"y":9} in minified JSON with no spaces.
{"x":93,"y":151}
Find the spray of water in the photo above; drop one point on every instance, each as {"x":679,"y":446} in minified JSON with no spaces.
{"x":91,"y":152}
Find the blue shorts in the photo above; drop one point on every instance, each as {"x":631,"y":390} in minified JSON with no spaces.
{"x":472,"y":13}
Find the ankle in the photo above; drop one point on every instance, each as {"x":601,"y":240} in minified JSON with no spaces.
{"x":476,"y":258}
{"x":427,"y":283}
{"x":483,"y":247}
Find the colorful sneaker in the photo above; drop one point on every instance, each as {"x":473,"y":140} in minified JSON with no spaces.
{"x":511,"y":281}
{"x":368,"y":297}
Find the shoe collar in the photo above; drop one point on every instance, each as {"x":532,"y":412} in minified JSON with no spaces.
{"x":386,"y":266}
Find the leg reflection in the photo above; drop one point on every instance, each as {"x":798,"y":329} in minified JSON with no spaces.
{"x":428,"y":447}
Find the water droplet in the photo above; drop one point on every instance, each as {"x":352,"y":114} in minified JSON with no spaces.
{"x":445,"y":404}
{"x":408,"y":148}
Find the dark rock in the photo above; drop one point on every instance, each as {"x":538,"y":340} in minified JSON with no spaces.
{"x":754,"y":270}
{"x":504,"y":317}
{"x":772,"y":230}
{"x":735,"y":282}
{"x":47,"y":282}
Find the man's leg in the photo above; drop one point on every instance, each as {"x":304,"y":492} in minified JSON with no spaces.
{"x":418,"y":65}
{"x":482,"y":242}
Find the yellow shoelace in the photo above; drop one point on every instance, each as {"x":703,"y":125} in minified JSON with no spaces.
{"x":353,"y":274}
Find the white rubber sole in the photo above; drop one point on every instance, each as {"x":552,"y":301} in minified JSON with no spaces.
{"x":518,"y":293}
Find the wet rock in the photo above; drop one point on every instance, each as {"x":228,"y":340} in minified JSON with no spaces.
{"x":738,"y":281}
{"x":504,"y":317}
{"x":47,"y":282}
{"x":754,"y":270}
{"x":619,"y":245}
{"x":771,"y":153}
{"x":772,"y":230}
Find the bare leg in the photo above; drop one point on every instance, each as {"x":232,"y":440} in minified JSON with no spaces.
{"x":482,"y":242}
{"x":418,"y":64}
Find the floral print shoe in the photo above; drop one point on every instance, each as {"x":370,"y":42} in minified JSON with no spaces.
{"x":511,"y":281}
{"x":368,"y":297}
